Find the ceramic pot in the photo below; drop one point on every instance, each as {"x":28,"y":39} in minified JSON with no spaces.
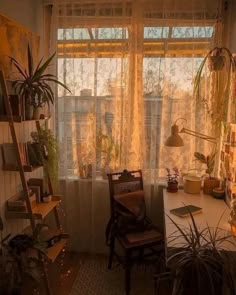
{"x":172,"y":187}
{"x":209,"y":184}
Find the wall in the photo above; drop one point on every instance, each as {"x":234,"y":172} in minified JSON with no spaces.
{"x":29,"y":14}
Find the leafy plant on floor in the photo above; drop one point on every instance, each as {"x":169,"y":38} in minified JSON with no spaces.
{"x":20,"y":258}
{"x":201,"y":265}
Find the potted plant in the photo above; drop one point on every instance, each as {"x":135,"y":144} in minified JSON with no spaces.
{"x":47,"y":148}
{"x":85,"y":157}
{"x":20,"y":259}
{"x":210,"y":182}
{"x":33,"y":84}
{"x":220,"y":64}
{"x":172,"y":180}
{"x":201,"y":266}
{"x":109,"y":150}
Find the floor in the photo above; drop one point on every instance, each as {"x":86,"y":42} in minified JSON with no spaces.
{"x":80,"y":274}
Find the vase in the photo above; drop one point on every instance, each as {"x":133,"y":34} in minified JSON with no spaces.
{"x":172,"y":187}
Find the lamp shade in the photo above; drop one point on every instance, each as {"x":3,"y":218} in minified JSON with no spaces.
{"x":174,"y":140}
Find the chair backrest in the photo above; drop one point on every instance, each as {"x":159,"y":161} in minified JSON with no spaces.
{"x":128,"y":184}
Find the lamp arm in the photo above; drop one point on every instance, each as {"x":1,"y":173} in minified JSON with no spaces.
{"x":198,"y":134}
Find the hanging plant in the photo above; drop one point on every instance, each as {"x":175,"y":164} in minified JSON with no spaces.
{"x":220,"y":62}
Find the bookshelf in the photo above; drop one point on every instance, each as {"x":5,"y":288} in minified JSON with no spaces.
{"x":36,"y":211}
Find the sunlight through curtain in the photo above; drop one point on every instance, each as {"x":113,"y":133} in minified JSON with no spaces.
{"x":130,"y":66}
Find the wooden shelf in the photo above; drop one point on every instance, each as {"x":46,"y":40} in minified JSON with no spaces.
{"x":19,"y":119}
{"x":27,"y":168}
{"x":55,"y":250}
{"x":40,"y":210}
{"x":5,"y":118}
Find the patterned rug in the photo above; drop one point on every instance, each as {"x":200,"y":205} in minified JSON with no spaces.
{"x":95,"y":279}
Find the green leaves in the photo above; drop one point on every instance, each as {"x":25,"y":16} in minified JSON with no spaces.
{"x":208,"y":160}
{"x":34,"y":84}
{"x":200,"y":260}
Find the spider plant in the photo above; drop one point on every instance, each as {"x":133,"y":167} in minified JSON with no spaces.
{"x":201,"y":265}
{"x":34,"y":84}
{"x":221,"y":64}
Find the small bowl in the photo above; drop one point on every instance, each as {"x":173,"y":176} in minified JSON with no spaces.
{"x":218,"y":193}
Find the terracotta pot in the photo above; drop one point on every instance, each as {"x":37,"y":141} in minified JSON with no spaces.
{"x":172,"y":187}
{"x":209,"y":184}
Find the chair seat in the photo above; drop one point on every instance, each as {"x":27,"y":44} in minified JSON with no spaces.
{"x":137,"y":239}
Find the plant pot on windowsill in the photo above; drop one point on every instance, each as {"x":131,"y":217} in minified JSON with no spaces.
{"x":85,"y":171}
{"x":209,"y":184}
{"x":172,"y":187}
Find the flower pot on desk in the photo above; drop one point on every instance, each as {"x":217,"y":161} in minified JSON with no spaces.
{"x":209,"y":184}
{"x":172,"y":187}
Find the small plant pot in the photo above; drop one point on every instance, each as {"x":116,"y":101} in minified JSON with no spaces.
{"x":209,"y":184}
{"x":172,"y":187}
{"x":29,"y":110}
{"x":37,"y":112}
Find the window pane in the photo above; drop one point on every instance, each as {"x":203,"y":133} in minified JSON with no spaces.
{"x":156,"y":32}
{"x":192,"y":32}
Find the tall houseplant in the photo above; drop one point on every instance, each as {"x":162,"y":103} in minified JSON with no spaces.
{"x":33,"y":84}
{"x":201,"y":266}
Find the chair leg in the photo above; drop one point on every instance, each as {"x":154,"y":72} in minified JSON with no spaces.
{"x":127,"y":273}
{"x":112,"y":248}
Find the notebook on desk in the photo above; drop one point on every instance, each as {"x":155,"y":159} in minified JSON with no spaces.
{"x":185,"y":210}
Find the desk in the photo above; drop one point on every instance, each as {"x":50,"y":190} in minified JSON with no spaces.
{"x":211,"y":213}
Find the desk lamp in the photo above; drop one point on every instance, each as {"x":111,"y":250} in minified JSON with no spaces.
{"x":175,"y":140}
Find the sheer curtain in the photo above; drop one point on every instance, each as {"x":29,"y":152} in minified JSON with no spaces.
{"x":130,"y":66}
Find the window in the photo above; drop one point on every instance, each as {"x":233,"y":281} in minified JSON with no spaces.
{"x":95,"y":64}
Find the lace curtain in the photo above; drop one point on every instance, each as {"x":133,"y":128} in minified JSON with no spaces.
{"x":130,"y":66}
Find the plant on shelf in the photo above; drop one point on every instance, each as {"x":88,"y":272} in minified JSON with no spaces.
{"x":33,"y":84}
{"x":20,"y":259}
{"x":48,"y":153}
{"x":201,"y":266}
{"x":109,"y":150}
{"x":172,"y":179}
{"x":218,"y":66}
{"x":210,"y":182}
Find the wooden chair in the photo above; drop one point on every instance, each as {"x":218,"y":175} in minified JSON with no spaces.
{"x":129,"y":226}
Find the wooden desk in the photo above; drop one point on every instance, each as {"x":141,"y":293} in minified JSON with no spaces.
{"x":211,"y":213}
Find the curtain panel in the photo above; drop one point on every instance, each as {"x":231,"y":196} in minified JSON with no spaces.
{"x":130,"y":66}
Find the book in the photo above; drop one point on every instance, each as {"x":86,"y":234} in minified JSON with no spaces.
{"x":185,"y":210}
